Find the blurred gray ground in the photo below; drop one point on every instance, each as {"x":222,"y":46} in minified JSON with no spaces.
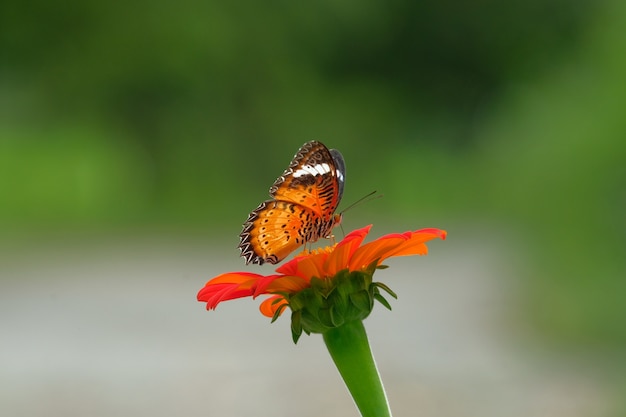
{"x":110,"y":327}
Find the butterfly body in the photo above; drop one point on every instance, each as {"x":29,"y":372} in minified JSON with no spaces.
{"x":302,"y":208}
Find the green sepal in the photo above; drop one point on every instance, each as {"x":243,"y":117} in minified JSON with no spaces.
{"x":330,"y":303}
{"x":387,"y":289}
{"x":279,"y":310}
{"x":362,"y":300}
{"x":382,"y":300}
{"x":296,"y":325}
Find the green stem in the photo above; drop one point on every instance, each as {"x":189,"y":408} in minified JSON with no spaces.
{"x":350,"y":350}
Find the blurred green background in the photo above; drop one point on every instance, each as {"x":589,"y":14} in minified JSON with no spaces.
{"x":492,"y":119}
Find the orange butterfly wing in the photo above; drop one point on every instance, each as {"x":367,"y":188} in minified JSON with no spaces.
{"x":303,"y":207}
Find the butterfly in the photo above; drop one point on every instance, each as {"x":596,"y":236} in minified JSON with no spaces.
{"x":302,"y":206}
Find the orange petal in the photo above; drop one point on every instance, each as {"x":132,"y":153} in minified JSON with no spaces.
{"x":339,"y":257}
{"x":408,"y":243}
{"x":241,"y":278}
{"x":311,"y":266}
{"x":268,"y":307}
{"x":281,"y":283}
{"x":375,"y":250}
{"x":415,"y":244}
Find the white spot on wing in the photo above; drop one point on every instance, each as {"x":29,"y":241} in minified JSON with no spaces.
{"x":318,"y":169}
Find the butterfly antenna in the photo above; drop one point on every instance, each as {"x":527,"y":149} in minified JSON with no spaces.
{"x":363,"y":199}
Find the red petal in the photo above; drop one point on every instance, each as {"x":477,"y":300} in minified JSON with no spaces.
{"x":358,"y":235}
{"x":291,"y":267}
{"x":221,"y":292}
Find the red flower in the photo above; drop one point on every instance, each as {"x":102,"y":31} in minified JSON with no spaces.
{"x":296,"y":275}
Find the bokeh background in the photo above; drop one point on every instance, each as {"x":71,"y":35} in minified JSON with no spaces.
{"x":135,"y":138}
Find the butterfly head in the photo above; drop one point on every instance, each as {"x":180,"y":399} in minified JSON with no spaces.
{"x":337,"y":218}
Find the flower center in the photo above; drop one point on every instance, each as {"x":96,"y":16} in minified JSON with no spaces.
{"x":317,"y":251}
